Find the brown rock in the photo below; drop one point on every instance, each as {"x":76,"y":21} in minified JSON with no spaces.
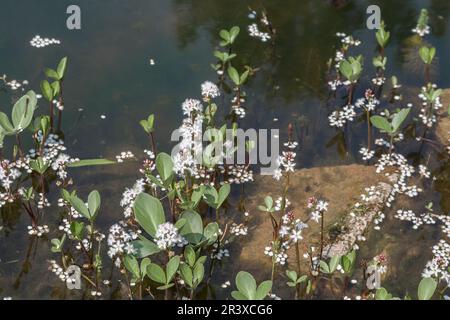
{"x":341,"y":186}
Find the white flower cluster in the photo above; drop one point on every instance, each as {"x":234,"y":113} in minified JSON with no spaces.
{"x":290,"y":232}
{"x":190,"y":147}
{"x":278,"y":255}
{"x":59,"y":271}
{"x":15,"y":85}
{"x":254,"y":32}
{"x":422,"y":30}
{"x":430,"y":105}
{"x":238,"y":229}
{"x":129,"y":195}
{"x":438,"y":267}
{"x":238,"y":174}
{"x":424,"y":172}
{"x":8,"y":174}
{"x":379,"y":81}
{"x":38,"y":231}
{"x":348,"y":40}
{"x":124,"y":155}
{"x":220,"y":254}
{"x":366,"y":154}
{"x":167,"y":237}
{"x":340,"y":118}
{"x":369,"y":102}
{"x":85,"y":244}
{"x":409,"y":215}
{"x":120,"y":240}
{"x":286,"y":161}
{"x":404,"y":170}
{"x":319,"y":208}
{"x":39,"y":42}
{"x":237,"y":107}
{"x":209,"y":91}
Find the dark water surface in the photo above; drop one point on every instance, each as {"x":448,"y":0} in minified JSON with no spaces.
{"x":110,"y":74}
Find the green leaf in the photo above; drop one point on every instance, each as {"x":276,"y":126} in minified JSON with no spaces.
{"x":426,"y":289}
{"x":381,"y":123}
{"x":145,"y":247}
{"x":224,"y":191}
{"x":23,"y":110}
{"x":234,"y":32}
{"x":399,"y":118}
{"x":186,"y":274}
{"x":324,"y":267}
{"x":246,"y":284}
{"x":193,"y":228}
{"x":346,"y":69}
{"x":149,"y":213}
{"x":164,"y":165}
{"x":90,"y":162}
{"x":77,"y":229}
{"x":334,"y":262}
{"x":382,"y":294}
{"x":238,"y":296}
{"x":225,"y":35}
{"x":94,"y":202}
{"x":79,"y":206}
{"x":51,"y":74}
{"x":263,"y":290}
{"x":211,"y":232}
{"x":6,"y":124}
{"x":292,"y":275}
{"x":268,"y":201}
{"x":244,"y":77}
{"x":47,"y":90}
{"x":156,"y":273}
{"x":172,"y":267}
{"x":131,"y":264}
{"x":234,"y":75}
{"x":189,"y":255}
{"x":198,"y":274}
{"x":56,"y":87}
{"x":62,"y":66}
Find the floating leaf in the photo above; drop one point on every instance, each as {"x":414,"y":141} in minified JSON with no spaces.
{"x":90,"y":162}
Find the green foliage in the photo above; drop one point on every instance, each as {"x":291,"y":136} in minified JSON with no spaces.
{"x":148,"y":124}
{"x":351,"y":68}
{"x":383,"y":36}
{"x":427,"y":54}
{"x":392,"y":128}
{"x":229,"y":36}
{"x":90,"y":162}
{"x":22,"y":115}
{"x":295,"y":280}
{"x":58,"y":244}
{"x":247,"y":288}
{"x":426,"y":289}
{"x":157,"y":274}
{"x":89,"y":211}
{"x":149,"y":213}
{"x":238,"y":80}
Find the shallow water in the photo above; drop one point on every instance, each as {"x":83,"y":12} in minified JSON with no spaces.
{"x":110,"y":74}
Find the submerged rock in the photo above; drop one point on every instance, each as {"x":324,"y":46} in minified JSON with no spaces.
{"x":342,"y":186}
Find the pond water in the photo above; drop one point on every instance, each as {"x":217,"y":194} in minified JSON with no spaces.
{"x":111,"y":85}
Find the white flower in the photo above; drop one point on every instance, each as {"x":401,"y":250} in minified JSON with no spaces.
{"x":167,"y":236}
{"x":210,"y":90}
